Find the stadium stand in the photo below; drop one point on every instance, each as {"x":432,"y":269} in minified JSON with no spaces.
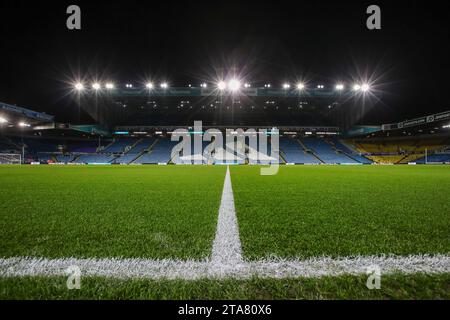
{"x":94,"y":159}
{"x":292,"y":152}
{"x":141,"y":146}
{"x":411,"y":158}
{"x":35,"y":145}
{"x":126,"y":158}
{"x":45,"y":157}
{"x":64,"y":158}
{"x":160,"y":153}
{"x":325,"y":152}
{"x":119,"y":145}
{"x":399,"y":150}
{"x":82,"y":147}
{"x":435,"y":158}
{"x":7,"y":146}
{"x":259,"y":156}
{"x":342,"y":146}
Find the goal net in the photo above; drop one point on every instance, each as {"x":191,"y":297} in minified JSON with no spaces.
{"x":10,"y":158}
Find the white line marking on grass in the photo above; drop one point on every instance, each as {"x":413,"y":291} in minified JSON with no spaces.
{"x":193,"y":270}
{"x":115,"y":268}
{"x":226,"y":252}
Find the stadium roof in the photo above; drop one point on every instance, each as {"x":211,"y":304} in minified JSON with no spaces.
{"x":14,"y":116}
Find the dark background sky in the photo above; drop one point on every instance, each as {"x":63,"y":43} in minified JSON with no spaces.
{"x":188,"y":41}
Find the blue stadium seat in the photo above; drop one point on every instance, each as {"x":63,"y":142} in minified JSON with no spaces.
{"x":119,"y":145}
{"x":293,"y":152}
{"x":94,"y":158}
{"x":351,"y":153}
{"x":435,"y":158}
{"x":326,"y":153}
{"x":160,"y":153}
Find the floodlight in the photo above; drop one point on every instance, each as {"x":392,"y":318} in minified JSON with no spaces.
{"x":96,"y":86}
{"x":149,"y":85}
{"x":247,"y":85}
{"x":234,"y":84}
{"x":23,"y":124}
{"x":300,"y":86}
{"x":339,"y":86}
{"x":109,"y":86}
{"x":356,"y":87}
{"x":79,"y":86}
{"x":222,"y":85}
{"x":286,"y":86}
{"x":164,"y":85}
{"x":365,"y":87}
{"x":3,"y":120}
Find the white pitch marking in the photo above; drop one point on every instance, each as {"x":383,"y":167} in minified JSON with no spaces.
{"x":193,"y":270}
{"x":226,"y":254}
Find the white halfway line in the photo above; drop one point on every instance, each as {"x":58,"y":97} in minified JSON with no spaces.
{"x":226,"y":260}
{"x":226,"y":254}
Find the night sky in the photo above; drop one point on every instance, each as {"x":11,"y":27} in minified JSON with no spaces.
{"x":189,"y":41}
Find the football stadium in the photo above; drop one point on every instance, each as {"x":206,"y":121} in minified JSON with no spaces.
{"x":228,"y":186}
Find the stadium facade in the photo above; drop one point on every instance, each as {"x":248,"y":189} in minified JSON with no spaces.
{"x":134,"y":125}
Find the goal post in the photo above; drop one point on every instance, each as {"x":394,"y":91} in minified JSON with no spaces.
{"x":10,"y":158}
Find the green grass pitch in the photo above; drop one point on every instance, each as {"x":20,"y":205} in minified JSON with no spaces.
{"x":123,"y":211}
{"x":171,"y":212}
{"x":307,"y":211}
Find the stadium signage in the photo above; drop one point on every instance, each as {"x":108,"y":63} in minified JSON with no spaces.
{"x":418,"y":121}
{"x":233,"y":151}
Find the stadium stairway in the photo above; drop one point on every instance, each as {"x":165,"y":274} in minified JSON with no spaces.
{"x":309,"y":150}
{"x":160,"y":152}
{"x":293,"y":152}
{"x":326,"y":152}
{"x":131,"y":147}
{"x":102,"y":148}
{"x":134,"y":151}
{"x":119,"y":145}
{"x":344,"y":148}
{"x":411,"y":158}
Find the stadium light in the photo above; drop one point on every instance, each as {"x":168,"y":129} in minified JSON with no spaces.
{"x":356,"y":87}
{"x":23,"y":124}
{"x":247,"y":85}
{"x":109,"y":86}
{"x":286,"y":86}
{"x":203,"y":85}
{"x":96,"y":86}
{"x":234,"y":85}
{"x":149,"y":85}
{"x":365,"y":87}
{"x":222,"y":85}
{"x":164,"y":85}
{"x":79,"y":86}
{"x":300,"y":86}
{"x":3,"y":120}
{"x":339,"y":87}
